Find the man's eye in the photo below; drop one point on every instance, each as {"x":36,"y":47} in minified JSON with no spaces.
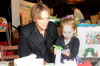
{"x":48,"y":18}
{"x":41,"y":19}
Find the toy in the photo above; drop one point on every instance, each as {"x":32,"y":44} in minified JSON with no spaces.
{"x":3,"y":23}
{"x":89,"y":50}
{"x":58,"y":55}
{"x":83,"y":21}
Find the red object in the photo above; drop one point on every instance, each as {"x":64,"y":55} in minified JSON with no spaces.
{"x":15,"y":41}
{"x":96,"y":54}
{"x":44,"y":63}
{"x":3,"y":24}
{"x":4,"y":54}
{"x":88,"y":63}
{"x":10,"y":52}
{"x":20,"y":14}
{"x":5,"y":43}
{"x":98,"y":41}
{"x":20,"y":18}
{"x":91,"y":41}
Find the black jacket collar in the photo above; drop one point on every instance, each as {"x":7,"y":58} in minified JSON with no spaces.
{"x":35,"y":29}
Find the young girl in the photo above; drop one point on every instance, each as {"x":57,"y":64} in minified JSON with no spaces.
{"x":68,"y":41}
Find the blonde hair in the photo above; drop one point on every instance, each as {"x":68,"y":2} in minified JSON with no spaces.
{"x":69,"y":22}
{"x":37,"y":9}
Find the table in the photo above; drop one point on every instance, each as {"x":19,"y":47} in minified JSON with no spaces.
{"x":92,"y":60}
{"x":2,"y":30}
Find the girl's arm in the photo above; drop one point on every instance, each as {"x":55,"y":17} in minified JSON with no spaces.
{"x":75,"y":48}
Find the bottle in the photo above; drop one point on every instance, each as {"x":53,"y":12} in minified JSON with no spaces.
{"x":58,"y":55}
{"x":96,"y":54}
{"x":99,"y":22}
{"x":20,"y":18}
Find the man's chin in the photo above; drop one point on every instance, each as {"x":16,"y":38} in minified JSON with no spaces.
{"x":44,"y":28}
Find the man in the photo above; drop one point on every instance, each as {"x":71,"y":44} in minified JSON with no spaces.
{"x":38,"y":37}
{"x":77,"y":13}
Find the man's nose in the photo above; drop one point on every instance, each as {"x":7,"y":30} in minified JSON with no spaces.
{"x":45,"y":20}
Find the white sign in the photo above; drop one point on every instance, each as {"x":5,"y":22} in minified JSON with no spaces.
{"x":89,"y":41}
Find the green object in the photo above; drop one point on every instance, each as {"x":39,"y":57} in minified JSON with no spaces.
{"x":59,"y":47}
{"x":55,"y":20}
{"x":88,"y":22}
{"x":52,"y":17}
{"x":57,"y":23}
{"x":77,"y":21}
{"x":89,"y":50}
{"x":94,"y":41}
{"x":29,"y":6}
{"x":50,"y":64}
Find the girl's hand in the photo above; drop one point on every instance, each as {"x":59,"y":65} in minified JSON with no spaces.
{"x":55,"y":50}
{"x":66,"y":52}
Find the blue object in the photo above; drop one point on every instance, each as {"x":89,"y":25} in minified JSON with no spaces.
{"x":83,"y":21}
{"x":87,"y":25}
{"x":2,"y":27}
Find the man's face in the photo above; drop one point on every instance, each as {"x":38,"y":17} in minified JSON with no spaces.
{"x":68,"y":32}
{"x":42,"y":22}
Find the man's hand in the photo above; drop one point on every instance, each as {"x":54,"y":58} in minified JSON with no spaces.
{"x":33,"y":55}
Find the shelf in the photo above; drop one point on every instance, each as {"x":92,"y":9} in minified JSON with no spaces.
{"x":92,"y":60}
{"x":2,"y":30}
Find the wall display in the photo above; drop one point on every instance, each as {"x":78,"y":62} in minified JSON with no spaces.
{"x":89,"y":41}
{"x":33,"y":1}
{"x":93,"y":37}
{"x":24,"y":9}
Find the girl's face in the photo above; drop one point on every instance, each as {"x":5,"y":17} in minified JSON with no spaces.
{"x":68,"y":32}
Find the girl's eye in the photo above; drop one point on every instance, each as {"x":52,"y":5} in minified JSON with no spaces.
{"x":64,"y":32}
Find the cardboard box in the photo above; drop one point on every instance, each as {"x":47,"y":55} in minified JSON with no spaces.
{"x":28,"y":61}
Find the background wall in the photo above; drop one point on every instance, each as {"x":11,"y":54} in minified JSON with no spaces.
{"x":15,"y":12}
{"x":24,"y":9}
{"x":5,"y":9}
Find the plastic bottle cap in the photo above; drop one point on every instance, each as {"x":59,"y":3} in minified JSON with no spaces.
{"x":20,"y":14}
{"x":59,"y":47}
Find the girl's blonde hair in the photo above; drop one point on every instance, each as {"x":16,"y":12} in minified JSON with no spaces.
{"x":69,"y":22}
{"x":37,"y":9}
